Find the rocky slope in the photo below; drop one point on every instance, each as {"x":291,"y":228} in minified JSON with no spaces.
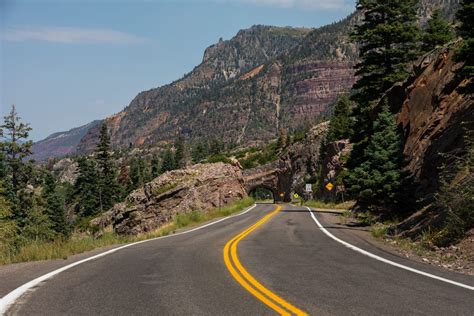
{"x":434,"y":115}
{"x":197,"y":188}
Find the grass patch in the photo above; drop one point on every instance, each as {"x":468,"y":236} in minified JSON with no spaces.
{"x":379,"y":230}
{"x":79,"y":243}
{"x":334,"y":206}
{"x":164,"y":188}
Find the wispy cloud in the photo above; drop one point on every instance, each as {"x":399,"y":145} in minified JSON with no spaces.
{"x":69,"y":35}
{"x":301,"y":4}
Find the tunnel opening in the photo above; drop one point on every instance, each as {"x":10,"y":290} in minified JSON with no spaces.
{"x":262,"y":194}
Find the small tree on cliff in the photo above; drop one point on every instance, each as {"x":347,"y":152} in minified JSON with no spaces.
{"x":388,"y":38}
{"x":437,"y":33}
{"x":377,"y":180}
{"x":109,"y":190}
{"x":340,"y":124}
{"x":465,"y":15}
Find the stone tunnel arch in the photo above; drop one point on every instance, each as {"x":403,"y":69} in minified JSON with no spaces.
{"x":275,"y":176}
{"x":273,"y":192}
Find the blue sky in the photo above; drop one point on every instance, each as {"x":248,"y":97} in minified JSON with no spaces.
{"x":64,"y":63}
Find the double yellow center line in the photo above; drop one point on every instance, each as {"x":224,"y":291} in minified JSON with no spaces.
{"x":245,"y":279}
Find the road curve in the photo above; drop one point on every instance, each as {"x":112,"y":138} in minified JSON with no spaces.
{"x":288,"y":254}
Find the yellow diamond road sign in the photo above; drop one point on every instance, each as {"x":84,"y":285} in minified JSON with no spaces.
{"x":329,"y":186}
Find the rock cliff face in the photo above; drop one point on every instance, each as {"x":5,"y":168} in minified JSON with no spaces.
{"x":197,"y":188}
{"x":433,"y":115}
{"x":331,"y":168}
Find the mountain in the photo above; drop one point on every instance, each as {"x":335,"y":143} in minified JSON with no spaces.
{"x":60,"y":144}
{"x":248,"y":87}
{"x":245,"y":89}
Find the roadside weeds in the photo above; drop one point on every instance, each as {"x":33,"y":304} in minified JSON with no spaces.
{"x":79,"y":243}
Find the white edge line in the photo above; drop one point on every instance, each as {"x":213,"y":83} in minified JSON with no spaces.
{"x":371,"y":255}
{"x":10,"y":298}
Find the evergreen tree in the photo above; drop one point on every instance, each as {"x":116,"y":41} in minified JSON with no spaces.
{"x":437,"y":33}
{"x":144,"y":171}
{"x":465,"y":15}
{"x":168,"y":161}
{"x":377,"y":180}
{"x":37,"y":226}
{"x":8,"y":226}
{"x":5,"y":175}
{"x":86,"y":188}
{"x":54,"y":206}
{"x":135,"y":173}
{"x":340,"y":124}
{"x":155,"y":166}
{"x":125,"y":180}
{"x":14,"y":147}
{"x":388,"y":40}
{"x":200,"y":152}
{"x":109,"y":190}
{"x":179,"y":152}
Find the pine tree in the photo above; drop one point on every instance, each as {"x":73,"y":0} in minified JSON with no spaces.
{"x":109,"y":190}
{"x":144,"y":171}
{"x":125,"y":180}
{"x":182,"y":154}
{"x":168,"y":161}
{"x":200,"y":152}
{"x":437,"y":33}
{"x":15,"y":147}
{"x":86,"y":188}
{"x":155,"y":166}
{"x":38,"y":226}
{"x":465,"y":15}
{"x":135,"y":173}
{"x":388,"y":40}
{"x":377,"y":180}
{"x":5,"y":175}
{"x":54,"y":206}
{"x":340,"y":124}
{"x":8,"y":226}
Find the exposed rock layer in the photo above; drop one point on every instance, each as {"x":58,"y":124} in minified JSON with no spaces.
{"x":197,"y":188}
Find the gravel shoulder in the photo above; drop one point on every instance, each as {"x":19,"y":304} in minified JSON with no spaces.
{"x":458,"y":258}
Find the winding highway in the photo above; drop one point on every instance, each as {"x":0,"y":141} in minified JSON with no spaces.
{"x":271,"y":259}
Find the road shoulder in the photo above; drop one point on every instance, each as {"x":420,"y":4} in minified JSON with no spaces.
{"x":362,"y":237}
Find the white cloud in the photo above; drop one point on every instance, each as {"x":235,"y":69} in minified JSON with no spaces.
{"x":69,"y":35}
{"x":346,"y":5}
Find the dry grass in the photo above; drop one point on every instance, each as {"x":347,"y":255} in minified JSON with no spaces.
{"x":79,"y":243}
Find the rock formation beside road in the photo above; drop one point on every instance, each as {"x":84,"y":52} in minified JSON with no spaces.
{"x":201,"y":187}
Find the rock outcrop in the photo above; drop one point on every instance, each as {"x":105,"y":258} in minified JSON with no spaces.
{"x":331,"y":167}
{"x":197,"y":188}
{"x":66,"y":170}
{"x":434,"y":115}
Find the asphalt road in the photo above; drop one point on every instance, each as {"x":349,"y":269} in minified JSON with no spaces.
{"x":287,"y":254}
